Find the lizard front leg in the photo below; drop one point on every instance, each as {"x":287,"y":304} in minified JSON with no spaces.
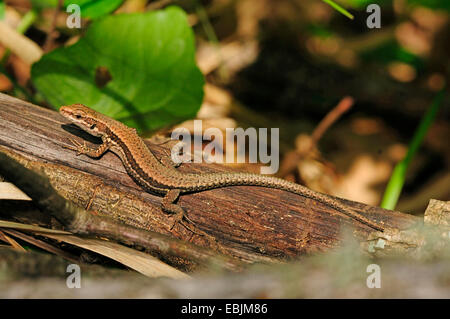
{"x":89,"y":151}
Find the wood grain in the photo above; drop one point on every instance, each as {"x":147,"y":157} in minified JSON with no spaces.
{"x":251,"y":223}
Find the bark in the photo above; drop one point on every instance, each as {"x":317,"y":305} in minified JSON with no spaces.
{"x":250,"y":223}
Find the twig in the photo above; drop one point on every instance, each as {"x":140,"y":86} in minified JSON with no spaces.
{"x":212,"y":37}
{"x":11,"y":241}
{"x":81,"y":222}
{"x":51,"y":33}
{"x":43,"y":245}
{"x":23,"y":47}
{"x":27,"y":20}
{"x":343,"y":106}
{"x":157,"y":5}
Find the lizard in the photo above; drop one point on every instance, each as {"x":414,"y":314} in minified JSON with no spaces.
{"x":160,"y":176}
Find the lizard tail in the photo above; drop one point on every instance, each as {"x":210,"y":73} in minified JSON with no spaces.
{"x":218,"y":180}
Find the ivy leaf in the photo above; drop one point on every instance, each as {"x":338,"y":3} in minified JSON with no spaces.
{"x":137,"y":68}
{"x":95,"y":8}
{"x":88,"y":8}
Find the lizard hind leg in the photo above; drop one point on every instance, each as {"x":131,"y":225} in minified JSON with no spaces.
{"x":168,"y":205}
{"x":168,"y":162}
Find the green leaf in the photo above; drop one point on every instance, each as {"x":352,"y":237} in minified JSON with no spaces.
{"x":319,"y":31}
{"x":95,"y":8}
{"x":42,"y":4}
{"x":2,"y":10}
{"x":149,"y":58}
{"x":391,"y":51}
{"x":88,"y":8}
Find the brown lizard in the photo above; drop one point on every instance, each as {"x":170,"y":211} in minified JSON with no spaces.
{"x":162,"y":178}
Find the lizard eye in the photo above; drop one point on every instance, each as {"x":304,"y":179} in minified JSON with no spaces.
{"x":78,"y":116}
{"x":93,"y":126}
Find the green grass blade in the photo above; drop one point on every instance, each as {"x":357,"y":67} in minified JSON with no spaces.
{"x":395,"y":185}
{"x":25,"y":23}
{"x":339,"y":8}
{"x":2,"y":10}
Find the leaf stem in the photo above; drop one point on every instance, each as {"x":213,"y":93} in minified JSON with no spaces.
{"x":212,"y":37}
{"x":26,"y":22}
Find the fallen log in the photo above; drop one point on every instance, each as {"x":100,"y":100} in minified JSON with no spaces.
{"x":247,"y":222}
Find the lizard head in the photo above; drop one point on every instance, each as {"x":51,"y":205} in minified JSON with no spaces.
{"x":85,"y":118}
